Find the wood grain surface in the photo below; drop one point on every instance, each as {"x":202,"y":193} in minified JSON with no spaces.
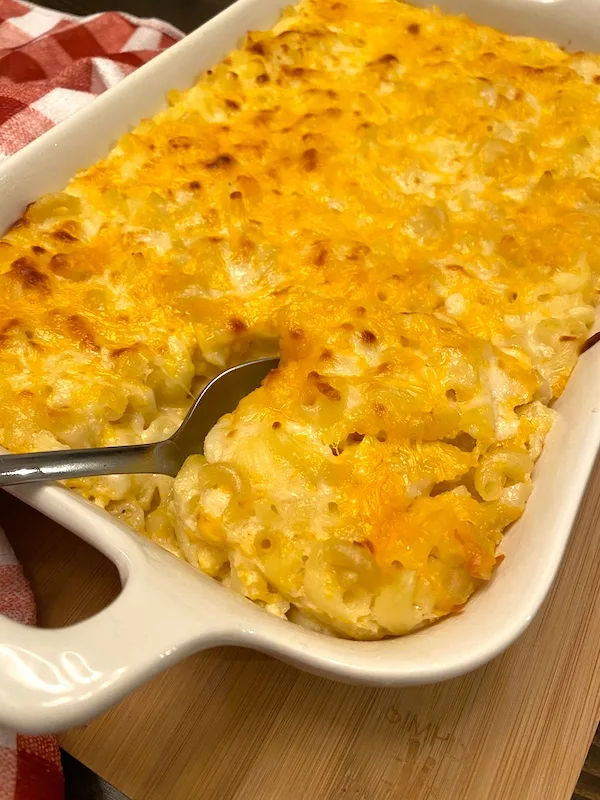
{"x":234,"y":725}
{"x":230,"y":724}
{"x":588,"y":785}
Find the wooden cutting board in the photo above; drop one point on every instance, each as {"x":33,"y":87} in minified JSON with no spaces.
{"x":230,"y":724}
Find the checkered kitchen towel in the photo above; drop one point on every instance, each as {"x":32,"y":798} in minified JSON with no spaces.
{"x":29,"y":765}
{"x":51,"y":65}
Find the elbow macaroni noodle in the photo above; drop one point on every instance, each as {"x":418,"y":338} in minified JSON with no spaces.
{"x":406,"y":206}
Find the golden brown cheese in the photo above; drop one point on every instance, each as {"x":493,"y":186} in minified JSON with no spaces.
{"x":406,"y":206}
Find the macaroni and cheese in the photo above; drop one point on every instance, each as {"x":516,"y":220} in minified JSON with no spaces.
{"x":406,"y":206}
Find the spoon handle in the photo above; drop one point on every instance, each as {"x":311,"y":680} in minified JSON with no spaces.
{"x":159,"y":458}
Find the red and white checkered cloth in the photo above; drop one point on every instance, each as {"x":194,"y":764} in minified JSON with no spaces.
{"x":29,"y":765}
{"x":52,"y":64}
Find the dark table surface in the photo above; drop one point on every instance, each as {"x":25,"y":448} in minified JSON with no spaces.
{"x":187,"y":15}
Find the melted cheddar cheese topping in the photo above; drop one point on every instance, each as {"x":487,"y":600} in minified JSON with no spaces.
{"x":406,"y":206}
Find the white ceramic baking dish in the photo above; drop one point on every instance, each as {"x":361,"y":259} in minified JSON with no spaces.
{"x":53,"y":679}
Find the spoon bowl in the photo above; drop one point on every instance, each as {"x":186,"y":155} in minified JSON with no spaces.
{"x":218,"y":397}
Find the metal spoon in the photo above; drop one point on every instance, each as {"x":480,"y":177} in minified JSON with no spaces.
{"x":218,"y":397}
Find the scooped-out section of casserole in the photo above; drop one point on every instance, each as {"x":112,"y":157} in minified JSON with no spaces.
{"x":406,"y":206}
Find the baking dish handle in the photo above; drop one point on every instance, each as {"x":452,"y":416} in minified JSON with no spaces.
{"x":53,"y":679}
